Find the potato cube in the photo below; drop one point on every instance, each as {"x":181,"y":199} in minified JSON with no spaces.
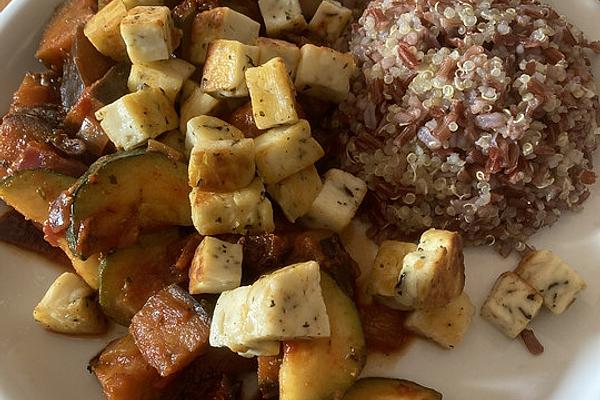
{"x":554,"y":279}
{"x":330,"y":20}
{"x":225,"y":68}
{"x":337,"y":203}
{"x":434,"y":274}
{"x":206,"y":128}
{"x":149,"y":34}
{"x":324,"y":73}
{"x":272,"y":48}
{"x":104,"y":33}
{"x":511,"y":304}
{"x":445,"y":325}
{"x":220,"y":23}
{"x":387,"y":266}
{"x":137,"y":117}
{"x":243,"y":211}
{"x":196,"y":104}
{"x":222,"y":165}
{"x":296,"y":193}
{"x":167,"y":75}
{"x":282,"y":16}
{"x":216,"y":266}
{"x":69,"y":307}
{"x":281,"y":152}
{"x":273,"y":95}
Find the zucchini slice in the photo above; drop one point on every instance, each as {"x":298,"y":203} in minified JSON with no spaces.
{"x":130,"y":276}
{"x":31,"y":191}
{"x":324,"y":369}
{"x":390,"y":389}
{"x":122,"y":194}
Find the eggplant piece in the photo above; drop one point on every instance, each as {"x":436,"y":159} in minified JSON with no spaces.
{"x":325,"y":368}
{"x":390,"y":389}
{"x":60,"y":32}
{"x":171,"y":330}
{"x":123,"y":194}
{"x":129,"y":277}
{"x":124,"y":374}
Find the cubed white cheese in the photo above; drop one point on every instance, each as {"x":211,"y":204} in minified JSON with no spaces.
{"x":243,"y":211}
{"x":555,"y":280}
{"x":281,"y":152}
{"x":149,"y":34}
{"x":224,"y":73}
{"x":69,"y":307}
{"x":330,"y":20}
{"x":282,"y":16}
{"x":104,"y":33}
{"x":511,"y":304}
{"x":134,"y":3}
{"x":272,"y":48}
{"x":137,"y":117}
{"x":196,"y":104}
{"x":227,"y":327}
{"x":167,"y":75}
{"x":222,"y":165}
{"x":434,"y":274}
{"x":216,"y":266}
{"x":296,"y":193}
{"x":324,"y":73}
{"x":387,"y":265}
{"x":288,"y":304}
{"x":446,"y":325}
{"x":337,"y":203}
{"x":207,"y":128}
{"x":220,"y":23}
{"x":272,"y":93}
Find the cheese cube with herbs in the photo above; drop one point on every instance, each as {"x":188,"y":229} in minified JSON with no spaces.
{"x":103,"y":31}
{"x":167,"y":75}
{"x":281,"y":152}
{"x":228,"y":328}
{"x":222,"y":165}
{"x":216,"y":266}
{"x":242,"y":211}
{"x":296,"y":193}
{"x":134,"y":118}
{"x":220,"y":23}
{"x":272,"y":93}
{"x":330,"y":20}
{"x":511,"y":305}
{"x":324,"y":73}
{"x":149,"y":34}
{"x":434,"y":274}
{"x":555,"y":280}
{"x":272,"y":48}
{"x":129,"y":4}
{"x":225,"y":68}
{"x":196,"y":104}
{"x":288,"y":304}
{"x":387,"y":266}
{"x":337,"y":202}
{"x":282,"y":16}
{"x":445,"y":325}
{"x":206,"y":128}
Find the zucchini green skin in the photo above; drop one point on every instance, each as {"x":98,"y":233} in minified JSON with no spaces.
{"x":123,"y":194}
{"x":130,"y":276}
{"x":390,"y":389}
{"x":324,"y":369}
{"x":31,"y":191}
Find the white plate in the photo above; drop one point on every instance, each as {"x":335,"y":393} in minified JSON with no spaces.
{"x":35,"y":364}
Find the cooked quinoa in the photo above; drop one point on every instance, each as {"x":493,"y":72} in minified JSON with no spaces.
{"x":476,"y":116}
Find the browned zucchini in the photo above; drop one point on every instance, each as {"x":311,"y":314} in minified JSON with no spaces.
{"x":125,"y":193}
{"x":129,"y":277}
{"x":390,"y":389}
